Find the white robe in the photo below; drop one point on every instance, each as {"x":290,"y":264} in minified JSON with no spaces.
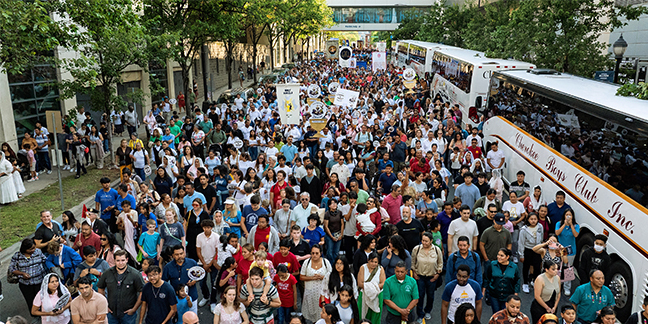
{"x":18,"y":182}
{"x":8,"y":193}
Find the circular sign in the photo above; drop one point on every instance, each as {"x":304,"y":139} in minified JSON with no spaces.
{"x":376,"y":143}
{"x":390,"y":129}
{"x":314,"y":91}
{"x":147,"y":170}
{"x":332,"y":49}
{"x":173,"y":101}
{"x":333,"y":86}
{"x":196,"y":273}
{"x":345,"y":53}
{"x":238,"y":143}
{"x":409,"y":74}
{"x":355,"y":114}
{"x":331,"y":124}
{"x":259,"y":90}
{"x":318,"y":110}
{"x":64,"y":300}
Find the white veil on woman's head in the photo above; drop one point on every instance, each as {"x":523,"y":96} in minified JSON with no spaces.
{"x":46,"y":303}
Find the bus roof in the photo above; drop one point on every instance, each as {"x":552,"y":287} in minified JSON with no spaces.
{"x":427,"y":45}
{"x":590,"y":96}
{"x":479,"y":58}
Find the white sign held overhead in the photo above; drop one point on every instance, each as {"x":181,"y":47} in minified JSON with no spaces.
{"x":352,"y":63}
{"x":381,"y":46}
{"x":288,"y":103}
{"x":346,"y":98}
{"x":345,"y":56}
{"x":378,"y":61}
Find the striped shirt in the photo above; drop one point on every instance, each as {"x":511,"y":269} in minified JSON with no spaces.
{"x":260,"y":313}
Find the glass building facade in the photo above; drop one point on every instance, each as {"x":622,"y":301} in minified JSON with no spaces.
{"x":32,"y":94}
{"x":372,"y":15}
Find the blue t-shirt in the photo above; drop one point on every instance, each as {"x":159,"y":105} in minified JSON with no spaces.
{"x":129,"y":197}
{"x":387,"y":181}
{"x":188,"y":200}
{"x":105,"y":200}
{"x":252,"y":216}
{"x":149,"y":243}
{"x":567,"y":238}
{"x":555,"y":213}
{"x":235,"y":220}
{"x":141,"y":220}
{"x":183,"y":307}
{"x":423,"y":206}
{"x":313,"y":236}
{"x":468,"y":194}
{"x":159,"y":302}
{"x":457,"y":295}
{"x":289,"y":152}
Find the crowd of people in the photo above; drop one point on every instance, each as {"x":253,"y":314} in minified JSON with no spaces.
{"x":361,"y":225}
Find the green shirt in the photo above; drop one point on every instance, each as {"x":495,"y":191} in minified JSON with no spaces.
{"x":206,"y":126}
{"x":402,"y":294}
{"x":589,"y":303}
{"x":175,"y":130}
{"x":362,"y":196}
{"x":192,"y":97}
{"x":437,"y":239}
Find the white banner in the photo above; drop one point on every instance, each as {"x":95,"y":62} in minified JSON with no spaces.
{"x":346,"y":53}
{"x":352,"y":63}
{"x":381,"y":46}
{"x":346,"y":98}
{"x":378,"y":61}
{"x":288,"y":103}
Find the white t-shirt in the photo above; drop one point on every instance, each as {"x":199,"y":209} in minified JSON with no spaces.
{"x":514,"y":209}
{"x":459,"y":228}
{"x":495,"y":158}
{"x":272,"y":152}
{"x":207,"y":245}
{"x":285,"y":168}
{"x":239,"y":103}
{"x":460,"y":295}
{"x":140,"y":159}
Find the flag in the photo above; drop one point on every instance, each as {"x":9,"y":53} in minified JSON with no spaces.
{"x":288,"y":103}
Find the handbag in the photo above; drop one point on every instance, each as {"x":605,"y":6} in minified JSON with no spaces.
{"x":11,"y":277}
{"x":567,"y":274}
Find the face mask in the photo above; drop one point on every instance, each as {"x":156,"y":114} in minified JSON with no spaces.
{"x":598,"y":248}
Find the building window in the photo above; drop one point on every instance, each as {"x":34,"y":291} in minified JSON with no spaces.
{"x":32,"y":94}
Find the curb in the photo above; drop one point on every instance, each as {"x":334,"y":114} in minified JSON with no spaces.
{"x":6,"y":254}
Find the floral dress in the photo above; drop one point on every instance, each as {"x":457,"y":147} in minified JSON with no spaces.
{"x":234,"y":318}
{"x":313,"y":289}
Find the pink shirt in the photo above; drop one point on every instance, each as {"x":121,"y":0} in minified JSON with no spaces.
{"x":392,"y":206}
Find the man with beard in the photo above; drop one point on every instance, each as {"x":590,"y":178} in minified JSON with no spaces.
{"x":177,"y":272}
{"x":88,"y":307}
{"x":124,"y":285}
{"x":158,"y":298}
{"x":511,"y":314}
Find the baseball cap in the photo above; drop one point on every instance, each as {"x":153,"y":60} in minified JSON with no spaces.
{"x":499,"y":219}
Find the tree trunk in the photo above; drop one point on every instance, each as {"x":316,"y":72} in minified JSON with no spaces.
{"x":228,"y":62}
{"x":254,"y":54}
{"x":270,"y":64}
{"x":308,"y":49}
{"x":107,"y":111}
{"x":185,"y":86}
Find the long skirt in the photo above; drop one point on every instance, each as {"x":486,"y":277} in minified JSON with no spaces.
{"x":371,"y":315}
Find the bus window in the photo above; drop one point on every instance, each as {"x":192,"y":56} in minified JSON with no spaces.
{"x":478,"y":102}
{"x":457,"y":72}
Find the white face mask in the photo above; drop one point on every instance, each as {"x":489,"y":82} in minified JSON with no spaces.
{"x":598,"y":248}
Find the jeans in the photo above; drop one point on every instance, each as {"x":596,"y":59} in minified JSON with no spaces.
{"x":43,"y":161}
{"x":283,"y":313}
{"x":106,"y":145}
{"x":126,"y":319}
{"x":425,"y":288}
{"x":254,"y":152}
{"x":332,"y":248}
{"x":203,"y":283}
{"x":396,"y":319}
{"x":221,"y":196}
{"x":140,"y":173}
{"x":131,"y":129}
{"x":496,"y":305}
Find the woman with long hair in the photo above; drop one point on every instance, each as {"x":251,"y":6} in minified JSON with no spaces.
{"x":334,"y":183}
{"x":347,"y":305}
{"x":140,"y":160}
{"x":333,"y":228}
{"x":427,"y":264}
{"x":339,"y":276}
{"x":466,"y":314}
{"x":232,"y":216}
{"x":162,"y":183}
{"x":396,"y":251}
{"x":252,"y":177}
{"x":261,"y":164}
{"x":192,"y":226}
{"x":172,"y":233}
{"x":320,"y":161}
{"x":567,"y":230}
{"x":71,"y":227}
{"x":27,"y":265}
{"x":108,"y":248}
{"x":230,"y":310}
{"x":46,"y":300}
{"x":546,"y":291}
{"x":313,"y":272}
{"x":501,"y":279}
{"x":367,"y":245}
{"x":187,"y":159}
{"x":96,"y":146}
{"x":371,"y":279}
{"x":179,"y":200}
{"x":329,"y":315}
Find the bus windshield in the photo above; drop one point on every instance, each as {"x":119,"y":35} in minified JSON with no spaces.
{"x":609,"y":152}
{"x":457,"y":72}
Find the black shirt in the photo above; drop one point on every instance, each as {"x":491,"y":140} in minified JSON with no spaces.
{"x":483,"y":188}
{"x":159,"y":301}
{"x":209,"y":194}
{"x":46,"y":234}
{"x":123,"y":290}
{"x":411,"y":232}
{"x":301,"y":249}
{"x":482,"y":224}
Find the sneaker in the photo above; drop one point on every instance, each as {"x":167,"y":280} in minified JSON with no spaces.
{"x":531,"y":283}
{"x":1,"y":297}
{"x":525,"y":288}
{"x":428,"y":316}
{"x":567,"y":292}
{"x":66,"y":167}
{"x":37,"y":179}
{"x":49,"y":171}
{"x":31,"y":180}
{"x":419,"y":321}
{"x":515,"y":260}
{"x":203,"y":302}
{"x":213,"y":308}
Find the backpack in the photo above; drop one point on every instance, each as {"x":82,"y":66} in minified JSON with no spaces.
{"x":454,"y":260}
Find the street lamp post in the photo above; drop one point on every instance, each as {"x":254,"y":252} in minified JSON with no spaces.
{"x":619,"y":47}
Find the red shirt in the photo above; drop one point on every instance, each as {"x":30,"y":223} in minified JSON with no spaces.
{"x":276,"y":190}
{"x":290,"y":261}
{"x":243,"y":269}
{"x":261,"y":235}
{"x":392,"y":206}
{"x":476,"y":151}
{"x":416,"y":167}
{"x":286,"y":291}
{"x":93,"y":240}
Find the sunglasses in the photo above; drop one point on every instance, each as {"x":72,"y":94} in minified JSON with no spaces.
{"x":104,"y":239}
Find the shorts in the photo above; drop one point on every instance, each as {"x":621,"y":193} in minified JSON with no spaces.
{"x":32,"y":166}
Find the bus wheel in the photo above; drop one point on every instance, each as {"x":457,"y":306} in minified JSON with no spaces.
{"x":620,"y":283}
{"x":584,"y":242}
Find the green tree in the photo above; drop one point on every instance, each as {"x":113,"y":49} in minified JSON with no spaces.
{"x":27,"y":34}
{"x":563,"y":35}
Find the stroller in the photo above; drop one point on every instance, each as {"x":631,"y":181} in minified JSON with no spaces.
{"x":23,"y":163}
